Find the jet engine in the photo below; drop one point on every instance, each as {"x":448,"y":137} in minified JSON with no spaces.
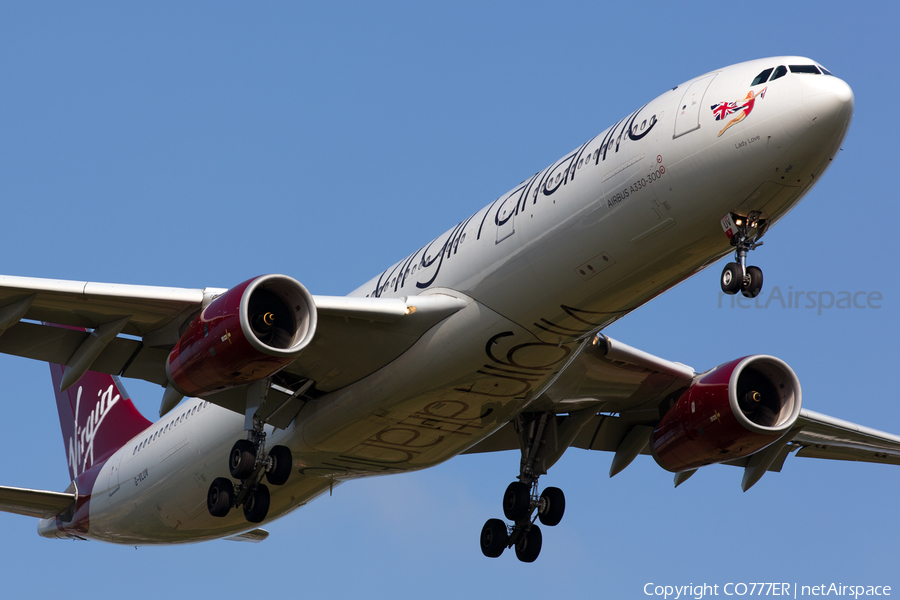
{"x":731,"y":412}
{"x":250,"y":332}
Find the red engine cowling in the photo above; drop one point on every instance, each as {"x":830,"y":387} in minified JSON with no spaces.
{"x":250,"y":332}
{"x":733,"y":411}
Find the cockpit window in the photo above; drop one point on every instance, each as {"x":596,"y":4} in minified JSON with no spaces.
{"x":825,"y":71}
{"x":762,"y":77}
{"x":779,"y":72}
{"x":812,"y":69}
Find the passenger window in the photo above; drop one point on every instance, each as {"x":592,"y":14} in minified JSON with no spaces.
{"x":779,"y":72}
{"x":811,"y":69}
{"x":762,"y":77}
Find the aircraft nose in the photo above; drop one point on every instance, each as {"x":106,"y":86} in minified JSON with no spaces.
{"x":827,"y":100}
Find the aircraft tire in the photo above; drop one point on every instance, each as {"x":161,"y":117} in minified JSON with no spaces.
{"x":553,"y":504}
{"x":282,"y":462}
{"x":517,"y":501}
{"x":494,"y":538}
{"x":220,"y":496}
{"x":529,"y":547}
{"x":256,"y":507}
{"x":242,"y":459}
{"x":754,"y":287}
{"x":731,"y":278}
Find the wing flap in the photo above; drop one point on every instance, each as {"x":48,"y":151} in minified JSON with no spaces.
{"x":34,"y":503}
{"x":602,"y":432}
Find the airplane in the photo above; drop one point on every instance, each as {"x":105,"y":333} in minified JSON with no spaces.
{"x":488,"y":338}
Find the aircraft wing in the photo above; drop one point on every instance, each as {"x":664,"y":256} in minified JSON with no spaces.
{"x":814,"y":436}
{"x":822,"y":436}
{"x":139,"y":325}
{"x":615,"y":377}
{"x":607,"y":398}
{"x":34,"y":503}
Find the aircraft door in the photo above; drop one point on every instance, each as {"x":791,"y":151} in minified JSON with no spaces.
{"x":506,"y":214}
{"x":114,"y":473}
{"x":687,"y":119}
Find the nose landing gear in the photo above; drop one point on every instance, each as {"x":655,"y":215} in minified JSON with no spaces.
{"x":744,"y":231}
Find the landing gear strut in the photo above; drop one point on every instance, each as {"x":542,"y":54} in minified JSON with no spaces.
{"x":744,"y":231}
{"x":248,"y":462}
{"x":521,"y":502}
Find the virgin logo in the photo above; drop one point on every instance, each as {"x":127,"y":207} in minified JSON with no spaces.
{"x":81,"y":446}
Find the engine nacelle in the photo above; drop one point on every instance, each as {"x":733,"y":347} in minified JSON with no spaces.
{"x":250,"y":332}
{"x":733,"y":411}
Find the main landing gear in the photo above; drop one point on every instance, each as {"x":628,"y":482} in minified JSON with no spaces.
{"x":521,"y":502}
{"x":249,"y":462}
{"x":744,"y":232}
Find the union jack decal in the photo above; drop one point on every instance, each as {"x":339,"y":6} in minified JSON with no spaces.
{"x":723,"y":109}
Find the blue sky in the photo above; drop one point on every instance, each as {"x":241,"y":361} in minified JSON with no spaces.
{"x":199,"y":145}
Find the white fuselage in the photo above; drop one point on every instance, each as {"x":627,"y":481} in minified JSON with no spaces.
{"x":611,"y":225}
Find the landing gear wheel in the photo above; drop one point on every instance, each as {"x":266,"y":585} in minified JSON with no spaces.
{"x":219,"y":497}
{"x":242,"y":459}
{"x":517,"y":501}
{"x":256,"y":506}
{"x":281,"y":465}
{"x":753,"y":283}
{"x":494,"y":538}
{"x":551,"y":506}
{"x":731,"y":278}
{"x":529,"y":547}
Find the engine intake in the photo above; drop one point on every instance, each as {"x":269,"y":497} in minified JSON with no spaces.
{"x":250,"y":332}
{"x":733,"y":411}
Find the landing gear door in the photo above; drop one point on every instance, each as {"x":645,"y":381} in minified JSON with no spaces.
{"x":687,"y":119}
